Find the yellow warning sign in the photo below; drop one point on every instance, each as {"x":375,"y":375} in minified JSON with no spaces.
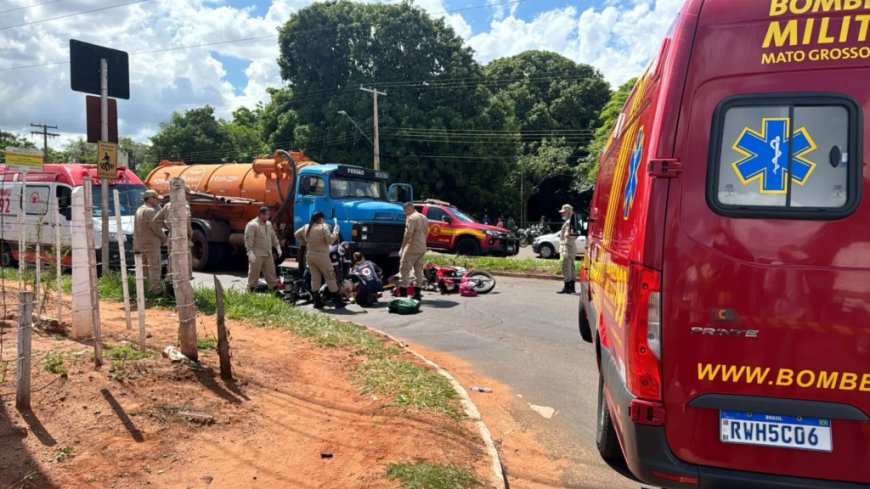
{"x":24,"y":158}
{"x":107,"y":160}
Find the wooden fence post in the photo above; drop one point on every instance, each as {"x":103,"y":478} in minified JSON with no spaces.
{"x":179,"y":259}
{"x":119,"y":233}
{"x":92,"y":267}
{"x":140,"y":299}
{"x":58,"y":270}
{"x":223,"y":339}
{"x":25,"y":321}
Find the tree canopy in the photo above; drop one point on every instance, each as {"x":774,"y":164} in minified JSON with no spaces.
{"x":441,"y":129}
{"x":197,"y":136}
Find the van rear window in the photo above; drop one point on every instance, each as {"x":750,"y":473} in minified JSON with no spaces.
{"x":785,"y":157}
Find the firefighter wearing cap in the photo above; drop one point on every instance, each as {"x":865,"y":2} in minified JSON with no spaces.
{"x":412,"y":251}
{"x":148,"y":237}
{"x":260,"y":239}
{"x":568,"y":249}
{"x":316,"y":237}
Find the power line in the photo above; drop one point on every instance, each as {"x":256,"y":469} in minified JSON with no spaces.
{"x":28,"y":6}
{"x":72,"y":14}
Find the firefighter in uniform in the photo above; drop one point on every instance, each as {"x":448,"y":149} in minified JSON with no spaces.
{"x":568,"y":249}
{"x":163,"y":218}
{"x":317,"y":239}
{"x":148,"y":237}
{"x":260,"y":239}
{"x":412,"y":251}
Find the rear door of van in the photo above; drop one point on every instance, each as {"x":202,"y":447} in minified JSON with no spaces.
{"x":766,"y":283}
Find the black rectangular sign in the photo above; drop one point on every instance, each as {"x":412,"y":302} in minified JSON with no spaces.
{"x":84,"y":61}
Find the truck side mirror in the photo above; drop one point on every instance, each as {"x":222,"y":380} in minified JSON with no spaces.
{"x":447,"y":219}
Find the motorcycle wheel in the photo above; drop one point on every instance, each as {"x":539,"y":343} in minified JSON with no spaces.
{"x":524,"y":241}
{"x":483,"y":281}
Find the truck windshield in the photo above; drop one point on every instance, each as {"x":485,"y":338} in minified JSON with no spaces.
{"x":342,"y":187}
{"x":462,"y":216}
{"x":130,"y":196}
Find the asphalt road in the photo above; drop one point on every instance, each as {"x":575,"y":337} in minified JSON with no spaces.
{"x":523,"y":335}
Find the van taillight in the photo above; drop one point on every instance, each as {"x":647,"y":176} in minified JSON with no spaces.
{"x":643,"y":320}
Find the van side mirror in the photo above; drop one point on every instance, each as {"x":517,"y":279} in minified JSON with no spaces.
{"x":66,"y":212}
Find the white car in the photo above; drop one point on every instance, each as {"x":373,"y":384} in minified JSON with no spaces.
{"x":547,"y":245}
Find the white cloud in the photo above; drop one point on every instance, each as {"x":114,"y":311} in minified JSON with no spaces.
{"x":618,"y":39}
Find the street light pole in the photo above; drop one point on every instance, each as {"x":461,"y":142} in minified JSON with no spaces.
{"x":375,"y":93}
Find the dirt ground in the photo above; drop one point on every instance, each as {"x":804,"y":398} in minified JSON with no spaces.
{"x":291,"y":419}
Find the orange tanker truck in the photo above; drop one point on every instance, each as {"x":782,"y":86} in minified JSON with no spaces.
{"x":224,"y":197}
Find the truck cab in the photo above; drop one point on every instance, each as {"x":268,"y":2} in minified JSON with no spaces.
{"x":367,"y":212}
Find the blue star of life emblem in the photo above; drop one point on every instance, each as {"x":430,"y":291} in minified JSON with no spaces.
{"x":765,"y":155}
{"x":631,"y":184}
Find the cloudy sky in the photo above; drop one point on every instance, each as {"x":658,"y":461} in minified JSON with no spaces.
{"x":189,"y":53}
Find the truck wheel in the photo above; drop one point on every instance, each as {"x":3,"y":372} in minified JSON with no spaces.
{"x":605,"y":435}
{"x":547,"y":251}
{"x":201,"y":250}
{"x":467,"y":247}
{"x":6,"y":258}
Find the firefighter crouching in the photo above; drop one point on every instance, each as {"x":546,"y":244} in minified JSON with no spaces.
{"x":148,"y":237}
{"x":316,"y":238}
{"x":260,"y":239}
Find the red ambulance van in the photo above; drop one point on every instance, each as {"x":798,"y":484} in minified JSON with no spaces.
{"x":50,"y":190}
{"x":726,"y":287}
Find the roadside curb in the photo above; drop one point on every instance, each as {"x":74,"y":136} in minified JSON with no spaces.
{"x":527,"y":275}
{"x":498,"y":475}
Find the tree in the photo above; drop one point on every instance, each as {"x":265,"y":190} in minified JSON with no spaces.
{"x":195,"y":137}
{"x":10,"y":139}
{"x":586,"y":172}
{"x":244,"y":135}
{"x":555,"y":103}
{"x":139,"y":157}
{"x":439,"y":135}
{"x":548,"y":159}
{"x":80,"y":151}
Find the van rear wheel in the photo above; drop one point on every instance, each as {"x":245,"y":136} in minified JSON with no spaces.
{"x":605,"y":434}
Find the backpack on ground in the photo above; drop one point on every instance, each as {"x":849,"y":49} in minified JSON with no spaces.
{"x":404,"y":305}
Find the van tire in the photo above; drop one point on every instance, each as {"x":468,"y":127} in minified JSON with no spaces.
{"x":7,"y":260}
{"x":605,"y":434}
{"x":547,"y":251}
{"x":467,"y":247}
{"x":583,"y":321}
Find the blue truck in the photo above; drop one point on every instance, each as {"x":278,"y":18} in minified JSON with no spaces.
{"x":224,"y":197}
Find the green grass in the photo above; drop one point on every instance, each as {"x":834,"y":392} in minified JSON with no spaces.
{"x":54,"y":363}
{"x":422,"y":475}
{"x":125,"y":353}
{"x":208,"y":343}
{"x":495,"y":264}
{"x":410,"y":384}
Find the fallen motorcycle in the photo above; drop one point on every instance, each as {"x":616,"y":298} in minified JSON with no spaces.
{"x":452,"y":279}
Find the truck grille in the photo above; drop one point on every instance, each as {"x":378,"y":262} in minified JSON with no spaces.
{"x":386,"y":233}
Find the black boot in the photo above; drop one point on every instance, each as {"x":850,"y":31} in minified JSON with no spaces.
{"x":318,"y":301}
{"x":403,"y":292}
{"x":337,"y":301}
{"x":418,"y":293}
{"x":566,"y":288}
{"x":571,"y":288}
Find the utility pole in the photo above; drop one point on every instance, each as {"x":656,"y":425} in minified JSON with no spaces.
{"x":45,"y":135}
{"x":375,"y":93}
